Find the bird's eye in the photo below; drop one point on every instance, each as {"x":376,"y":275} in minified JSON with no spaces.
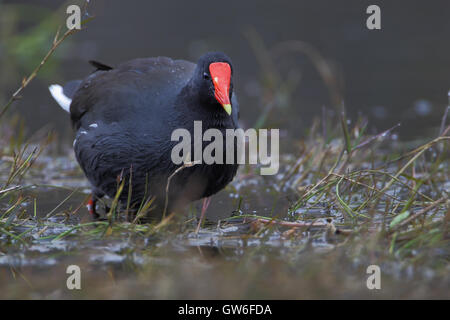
{"x":206,"y":76}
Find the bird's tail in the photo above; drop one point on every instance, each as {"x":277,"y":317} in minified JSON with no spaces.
{"x":64,"y":95}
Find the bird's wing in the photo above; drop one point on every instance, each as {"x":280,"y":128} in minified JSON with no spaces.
{"x":115,"y":93}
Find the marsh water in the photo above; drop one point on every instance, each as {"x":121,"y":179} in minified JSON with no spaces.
{"x":400,"y":73}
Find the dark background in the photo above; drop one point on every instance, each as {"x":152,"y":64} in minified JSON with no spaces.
{"x":400,"y":73}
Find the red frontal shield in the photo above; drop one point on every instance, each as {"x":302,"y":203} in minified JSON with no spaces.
{"x":221,"y":77}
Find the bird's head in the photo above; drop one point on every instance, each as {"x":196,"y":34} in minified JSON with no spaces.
{"x":214,"y":79}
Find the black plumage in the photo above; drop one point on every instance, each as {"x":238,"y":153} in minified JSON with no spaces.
{"x":125,"y":116}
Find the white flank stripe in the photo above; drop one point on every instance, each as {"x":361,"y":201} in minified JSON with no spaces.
{"x":57,"y":93}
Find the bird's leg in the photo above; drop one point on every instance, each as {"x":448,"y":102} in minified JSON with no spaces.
{"x":92,"y":202}
{"x":205,"y":206}
{"x":91,"y":206}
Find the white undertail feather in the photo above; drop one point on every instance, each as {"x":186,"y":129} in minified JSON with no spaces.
{"x":58,"y":94}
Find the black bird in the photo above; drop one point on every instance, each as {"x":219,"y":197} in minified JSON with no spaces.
{"x":124,"y":118}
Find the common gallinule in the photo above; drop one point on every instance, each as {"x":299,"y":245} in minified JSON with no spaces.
{"x":124,"y":118}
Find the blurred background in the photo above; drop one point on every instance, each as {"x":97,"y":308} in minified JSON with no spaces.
{"x":400,"y":73}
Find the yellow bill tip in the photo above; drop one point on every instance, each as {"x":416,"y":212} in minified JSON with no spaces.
{"x":227,"y":108}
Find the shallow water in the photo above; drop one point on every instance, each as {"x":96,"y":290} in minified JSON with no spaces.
{"x":233,"y":255}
